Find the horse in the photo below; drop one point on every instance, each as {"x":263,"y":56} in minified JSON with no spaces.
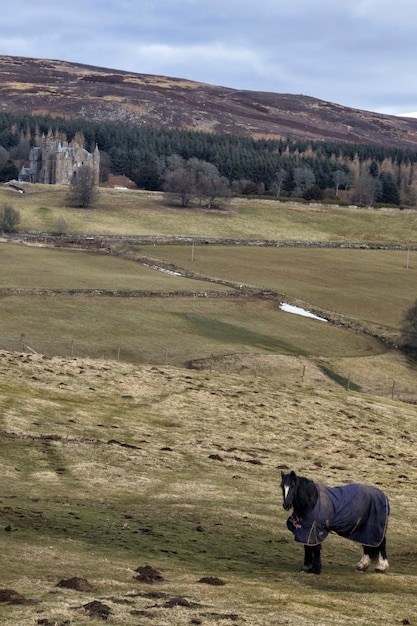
{"x":355,"y":511}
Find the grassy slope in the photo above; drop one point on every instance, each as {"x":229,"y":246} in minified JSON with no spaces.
{"x":176,"y":330}
{"x":108,"y":467}
{"x":353,"y":282}
{"x":135,"y":212}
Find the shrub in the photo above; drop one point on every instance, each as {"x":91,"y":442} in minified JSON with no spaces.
{"x":9,"y":218}
{"x":409,"y":331}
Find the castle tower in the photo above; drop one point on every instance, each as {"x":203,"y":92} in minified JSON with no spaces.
{"x":57,"y":162}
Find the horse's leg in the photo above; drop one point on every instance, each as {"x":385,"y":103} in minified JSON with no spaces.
{"x":382,"y":563}
{"x":365,"y":561}
{"x":316,"y":566}
{"x":312,"y":560}
{"x":377,"y":555}
{"x":308,"y":559}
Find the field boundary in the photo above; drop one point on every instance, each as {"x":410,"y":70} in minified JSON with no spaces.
{"x":108,"y":244}
{"x":105,"y":242}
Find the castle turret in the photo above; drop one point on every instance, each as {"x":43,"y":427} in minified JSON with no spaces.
{"x":56,"y":162}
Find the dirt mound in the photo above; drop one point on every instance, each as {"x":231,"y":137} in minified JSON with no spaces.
{"x":98,"y":609}
{"x":149,"y":575}
{"x":211,"y":580}
{"x":80,"y":584}
{"x":13,"y":597}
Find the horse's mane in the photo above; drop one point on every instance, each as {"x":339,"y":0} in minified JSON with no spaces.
{"x":305,"y":497}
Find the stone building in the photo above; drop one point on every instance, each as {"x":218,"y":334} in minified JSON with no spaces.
{"x":57,"y":162}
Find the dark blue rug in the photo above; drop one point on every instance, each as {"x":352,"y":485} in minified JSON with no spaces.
{"x":357,"y":512}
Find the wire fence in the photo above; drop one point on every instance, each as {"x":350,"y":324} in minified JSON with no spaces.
{"x":88,"y":349}
{"x":68,"y":348}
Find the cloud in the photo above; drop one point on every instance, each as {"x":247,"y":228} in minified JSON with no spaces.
{"x":187,"y":60}
{"x":359,"y":53}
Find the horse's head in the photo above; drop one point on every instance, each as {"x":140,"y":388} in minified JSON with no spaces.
{"x":288,"y":486}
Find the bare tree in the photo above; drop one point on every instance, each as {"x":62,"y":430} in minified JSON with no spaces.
{"x":304,"y":179}
{"x":83,"y":190}
{"x":278,"y":179}
{"x":186,"y":180}
{"x":209,"y":185}
{"x":367,"y":188}
{"x":340,"y":180}
{"x":179,"y":183}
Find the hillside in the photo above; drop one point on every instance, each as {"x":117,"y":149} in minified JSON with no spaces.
{"x":147,"y":493}
{"x":112,"y":468}
{"x":71,"y":90}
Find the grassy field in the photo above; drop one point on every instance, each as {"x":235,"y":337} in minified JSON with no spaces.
{"x":129,"y":459}
{"x":353,"y":282}
{"x":41,"y":268}
{"x":170,"y":330}
{"x":109,"y":467}
{"x":347,"y":284}
{"x":136,"y":212}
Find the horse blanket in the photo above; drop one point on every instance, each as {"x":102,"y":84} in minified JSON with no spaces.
{"x":357,"y":512}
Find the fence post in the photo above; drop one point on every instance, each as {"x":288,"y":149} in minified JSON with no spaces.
{"x":23,"y":342}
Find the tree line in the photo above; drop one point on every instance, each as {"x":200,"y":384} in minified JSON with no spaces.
{"x":286,"y":168}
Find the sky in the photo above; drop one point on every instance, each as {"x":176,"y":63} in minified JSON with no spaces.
{"x":357,"y":53}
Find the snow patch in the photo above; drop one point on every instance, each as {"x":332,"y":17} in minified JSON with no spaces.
{"x":162,"y":269}
{"x":297,"y":310}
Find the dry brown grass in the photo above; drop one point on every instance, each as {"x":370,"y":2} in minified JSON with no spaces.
{"x":112,"y":466}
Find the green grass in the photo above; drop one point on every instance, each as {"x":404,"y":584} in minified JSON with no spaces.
{"x":168,"y":330}
{"x":346,"y":281}
{"x":40,"y":268}
{"x":136,"y":212}
{"x":225,"y":332}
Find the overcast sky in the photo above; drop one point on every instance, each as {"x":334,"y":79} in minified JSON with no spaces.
{"x":358,"y":53}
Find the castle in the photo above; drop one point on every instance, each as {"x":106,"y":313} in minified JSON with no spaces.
{"x":57,"y":162}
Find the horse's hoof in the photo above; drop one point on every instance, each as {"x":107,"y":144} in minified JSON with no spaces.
{"x":308,"y":569}
{"x":311,"y":570}
{"x":382,"y":566}
{"x":363,"y":564}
